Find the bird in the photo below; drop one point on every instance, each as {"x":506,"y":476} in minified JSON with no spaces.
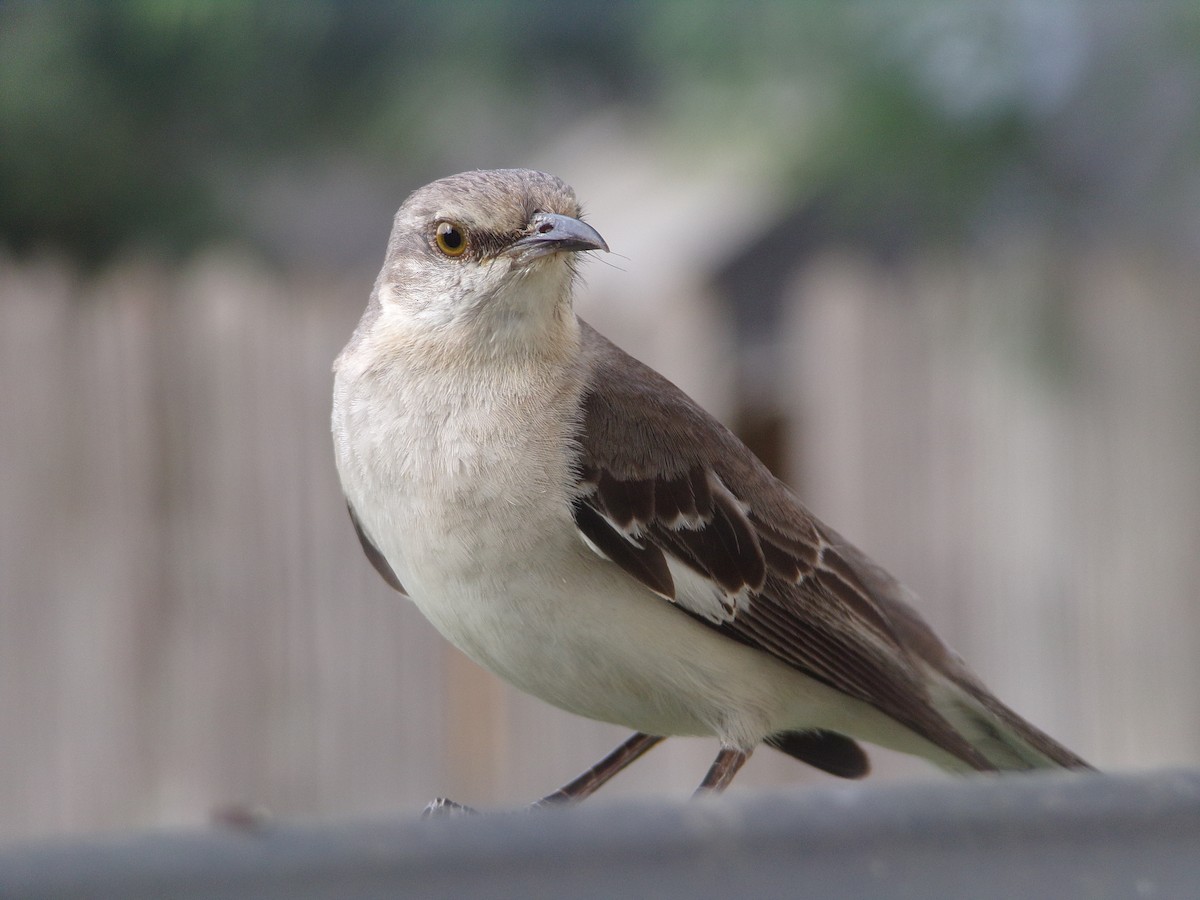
{"x":576,"y":524}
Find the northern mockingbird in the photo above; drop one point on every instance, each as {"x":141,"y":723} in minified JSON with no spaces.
{"x":575,"y":523}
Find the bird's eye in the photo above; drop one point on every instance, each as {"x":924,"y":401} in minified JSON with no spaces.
{"x":451,"y":239}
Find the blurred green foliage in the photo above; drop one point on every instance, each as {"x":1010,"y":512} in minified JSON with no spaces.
{"x":142,"y":121}
{"x":120,"y":121}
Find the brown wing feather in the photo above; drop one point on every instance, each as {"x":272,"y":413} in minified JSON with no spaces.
{"x":644,"y":561}
{"x":672,"y":477}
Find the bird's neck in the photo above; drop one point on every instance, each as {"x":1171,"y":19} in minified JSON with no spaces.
{"x":483,"y":342}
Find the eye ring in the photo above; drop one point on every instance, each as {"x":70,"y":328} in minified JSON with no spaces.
{"x":450,"y":238}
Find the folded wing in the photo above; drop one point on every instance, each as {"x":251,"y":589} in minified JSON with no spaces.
{"x":671,"y":496}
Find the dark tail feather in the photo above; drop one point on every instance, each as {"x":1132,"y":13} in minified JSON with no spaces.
{"x":825,"y":750}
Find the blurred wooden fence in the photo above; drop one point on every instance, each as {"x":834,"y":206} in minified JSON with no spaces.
{"x":186,"y":621}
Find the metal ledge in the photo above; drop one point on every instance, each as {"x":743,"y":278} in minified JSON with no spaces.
{"x":1051,"y":835}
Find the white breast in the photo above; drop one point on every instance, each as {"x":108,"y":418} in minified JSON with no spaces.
{"x":457,"y":480}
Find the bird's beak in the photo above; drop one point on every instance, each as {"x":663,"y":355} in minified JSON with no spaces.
{"x":553,"y":233}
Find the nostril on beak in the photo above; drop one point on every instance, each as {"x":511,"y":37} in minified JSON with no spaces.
{"x":545,"y":228}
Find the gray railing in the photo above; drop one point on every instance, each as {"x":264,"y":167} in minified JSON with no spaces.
{"x":1060,"y":836}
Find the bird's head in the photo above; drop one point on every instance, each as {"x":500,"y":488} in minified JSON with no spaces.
{"x":487,"y":252}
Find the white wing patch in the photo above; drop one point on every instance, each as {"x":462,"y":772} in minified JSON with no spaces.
{"x":592,"y":546}
{"x":694,"y":591}
{"x":699,"y":594}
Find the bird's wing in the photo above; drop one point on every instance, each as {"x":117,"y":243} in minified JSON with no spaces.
{"x":675,"y":499}
{"x":377,"y":559}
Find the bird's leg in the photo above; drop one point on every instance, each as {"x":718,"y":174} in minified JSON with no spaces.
{"x":724,"y":767}
{"x":583,"y":786}
{"x":587,"y":783}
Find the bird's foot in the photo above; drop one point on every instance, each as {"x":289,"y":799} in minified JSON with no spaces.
{"x":444,"y":808}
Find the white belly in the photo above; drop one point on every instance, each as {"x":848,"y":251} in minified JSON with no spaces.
{"x":586,"y":637}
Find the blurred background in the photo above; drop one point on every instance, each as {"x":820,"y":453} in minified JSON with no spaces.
{"x":936,"y":262}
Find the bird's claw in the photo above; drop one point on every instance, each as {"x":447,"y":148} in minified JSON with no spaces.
{"x":444,"y":808}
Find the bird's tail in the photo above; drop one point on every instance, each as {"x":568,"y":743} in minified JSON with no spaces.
{"x":994,"y":732}
{"x":1003,"y":737}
